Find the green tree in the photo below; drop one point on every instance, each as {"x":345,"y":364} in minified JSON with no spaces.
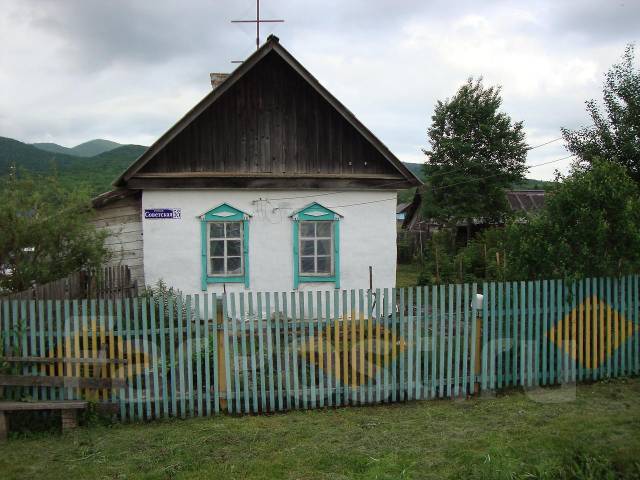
{"x":615,"y":133}
{"x":590,"y":226}
{"x":45,"y":232}
{"x":476,"y":153}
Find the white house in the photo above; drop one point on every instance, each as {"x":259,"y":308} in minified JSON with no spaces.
{"x":269,"y":183}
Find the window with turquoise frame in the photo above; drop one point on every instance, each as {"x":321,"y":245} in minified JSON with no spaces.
{"x":225,"y":246}
{"x":316,"y":245}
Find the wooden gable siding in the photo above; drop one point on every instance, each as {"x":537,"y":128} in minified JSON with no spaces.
{"x":270,"y":123}
{"x":122,"y":219}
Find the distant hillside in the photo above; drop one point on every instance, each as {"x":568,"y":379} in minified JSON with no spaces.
{"x":96,"y":172}
{"x":86,"y":149}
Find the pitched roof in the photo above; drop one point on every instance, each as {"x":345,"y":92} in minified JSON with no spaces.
{"x":272,"y":45}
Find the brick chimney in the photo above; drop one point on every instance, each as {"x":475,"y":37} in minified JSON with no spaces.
{"x":217,"y":79}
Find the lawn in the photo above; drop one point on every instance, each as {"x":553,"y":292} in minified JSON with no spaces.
{"x":407,"y":275}
{"x":510,"y":436}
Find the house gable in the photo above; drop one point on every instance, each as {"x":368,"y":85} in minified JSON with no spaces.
{"x":269,"y":125}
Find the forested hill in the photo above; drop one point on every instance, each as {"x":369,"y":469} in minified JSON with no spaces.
{"x":96,"y":172}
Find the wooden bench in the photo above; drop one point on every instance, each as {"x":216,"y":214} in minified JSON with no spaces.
{"x":68,"y":412}
{"x":68,"y":408}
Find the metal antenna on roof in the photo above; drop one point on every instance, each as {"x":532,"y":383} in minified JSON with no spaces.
{"x":257,"y":21}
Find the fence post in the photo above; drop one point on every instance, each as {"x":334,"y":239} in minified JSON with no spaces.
{"x":222,"y":366}
{"x":478,"y":304}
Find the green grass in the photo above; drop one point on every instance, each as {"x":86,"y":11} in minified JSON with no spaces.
{"x":407,"y":275}
{"x":594,"y":435}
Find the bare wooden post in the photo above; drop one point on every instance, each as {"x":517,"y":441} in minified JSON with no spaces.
{"x":222,"y":367}
{"x":4,"y":428}
{"x":69,"y":420}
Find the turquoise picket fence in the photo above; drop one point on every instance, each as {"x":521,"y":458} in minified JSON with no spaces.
{"x":264,"y":352}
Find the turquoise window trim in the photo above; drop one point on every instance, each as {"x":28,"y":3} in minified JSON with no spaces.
{"x":314,"y":213}
{"x":224,"y":213}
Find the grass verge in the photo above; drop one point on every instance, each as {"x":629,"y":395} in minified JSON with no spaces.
{"x":590,"y":433}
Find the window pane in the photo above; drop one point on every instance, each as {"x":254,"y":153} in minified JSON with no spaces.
{"x":307,"y":247}
{"x":307,"y":229}
{"x":217,"y":266}
{"x":324,"y":247}
{"x":234,"y":265}
{"x":233,"y":229}
{"x":323,"y":229}
{"x":324,"y":264}
{"x":217,"y":248}
{"x":233,"y":248}
{"x":216,"y":230}
{"x":307,"y":265}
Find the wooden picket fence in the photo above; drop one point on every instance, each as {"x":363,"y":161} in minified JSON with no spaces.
{"x":264,"y":352}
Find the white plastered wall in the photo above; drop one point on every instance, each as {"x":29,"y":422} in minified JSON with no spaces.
{"x":172,"y":250}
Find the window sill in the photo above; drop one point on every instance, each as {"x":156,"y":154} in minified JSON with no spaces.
{"x":234,"y":279}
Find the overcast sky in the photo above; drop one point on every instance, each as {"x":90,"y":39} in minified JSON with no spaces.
{"x":73,"y":70}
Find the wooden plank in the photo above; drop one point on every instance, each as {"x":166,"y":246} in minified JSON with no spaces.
{"x":609,"y":328}
{"x":516,"y":335}
{"x":594,"y":328}
{"x":579,"y":339}
{"x":268,"y":380}
{"x":181,"y":393}
{"x":50,"y":345}
{"x":236,"y":355}
{"x":484,"y":384}
{"x":552,"y":326}
{"x":327,"y":354}
{"x":369,"y":321}
{"x":545,"y":331}
{"x":425,"y":343}
{"x":225,"y":365}
{"x":210,"y":342}
{"x":450,"y":333}
{"x":403,"y":342}
{"x":508,"y":341}
{"x":278,"y":353}
{"x":410,"y":324}
{"x":466,"y":386}
{"x":492,"y":335}
{"x":434,"y":329}
{"x":42,"y":405}
{"x":537,"y":328}
{"x":361,"y":366}
{"x":457,"y":330}
{"x":345,"y":348}
{"x":65,"y":360}
{"x":198,"y":390}
{"x":76,"y":334}
{"x":636,"y":323}
{"x":77,"y":383}
{"x":443,"y":313}
{"x":122,"y":370}
{"x":337,"y":320}
{"x":44,"y":393}
{"x":394,"y":345}
{"x":559,"y":331}
{"x":530,"y":336}
{"x":500,"y":347}
{"x":252,"y":315}
{"x":299,"y":350}
{"x":189,"y":354}
{"x":294,"y":352}
{"x":354,"y":345}
{"x":67,"y":342}
{"x":162,"y":366}
{"x":173,"y":321}
{"x":245,"y":356}
{"x":311,"y":347}
{"x":523,"y":334}
{"x":137,"y":359}
{"x":382,"y":357}
{"x":285,"y":362}
{"x":145,"y":356}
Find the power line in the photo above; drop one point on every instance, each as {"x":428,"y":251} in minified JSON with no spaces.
{"x":451,"y":185}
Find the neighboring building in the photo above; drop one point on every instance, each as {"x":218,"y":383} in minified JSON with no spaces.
{"x":401,"y":211}
{"x":521,"y":202}
{"x":269,"y":183}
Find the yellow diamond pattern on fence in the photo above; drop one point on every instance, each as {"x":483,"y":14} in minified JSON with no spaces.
{"x":366,"y":352}
{"x":601,"y":328}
